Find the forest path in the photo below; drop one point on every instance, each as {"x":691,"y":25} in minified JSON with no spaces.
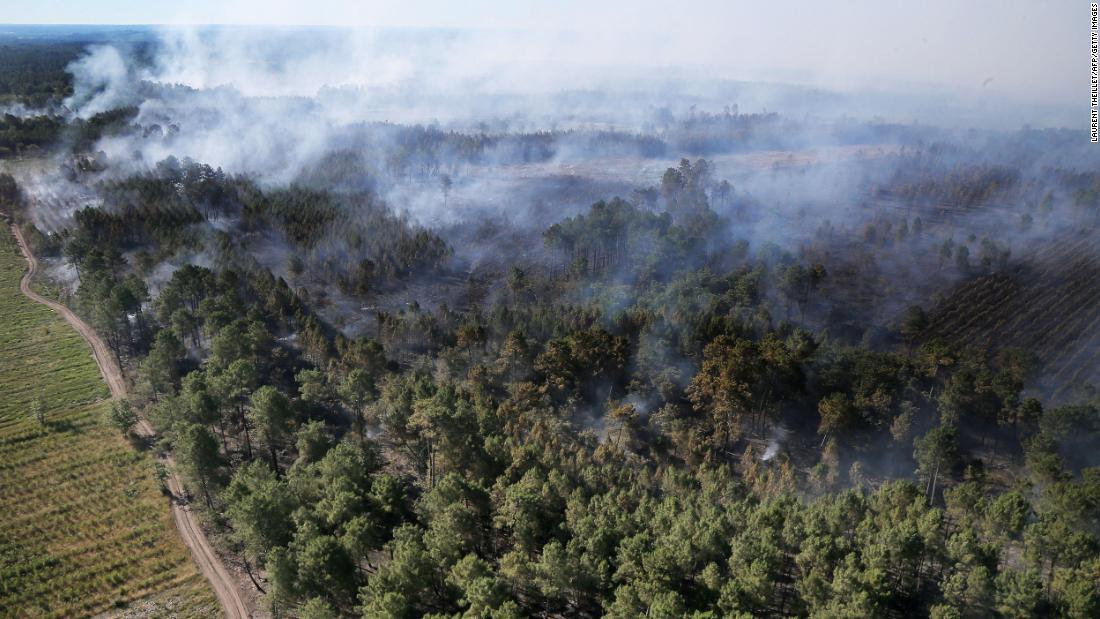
{"x":187,"y":523}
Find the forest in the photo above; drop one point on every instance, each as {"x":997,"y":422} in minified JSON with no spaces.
{"x":706,"y":446}
{"x":706,"y":392}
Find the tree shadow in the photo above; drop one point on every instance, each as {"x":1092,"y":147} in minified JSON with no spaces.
{"x":64,"y":425}
{"x":141,"y":443}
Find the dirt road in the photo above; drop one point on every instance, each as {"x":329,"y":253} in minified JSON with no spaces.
{"x":210,"y":565}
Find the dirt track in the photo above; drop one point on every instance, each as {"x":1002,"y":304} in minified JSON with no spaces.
{"x":186,"y":522}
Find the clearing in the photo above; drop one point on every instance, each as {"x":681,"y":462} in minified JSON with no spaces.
{"x":84,"y":528}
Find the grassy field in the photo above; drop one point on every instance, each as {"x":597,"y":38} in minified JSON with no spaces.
{"x":84,"y":529}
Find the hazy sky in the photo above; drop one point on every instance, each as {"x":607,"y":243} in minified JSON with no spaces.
{"x":1027,"y":50}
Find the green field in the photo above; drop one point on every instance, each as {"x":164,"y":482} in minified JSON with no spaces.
{"x":84,"y":529}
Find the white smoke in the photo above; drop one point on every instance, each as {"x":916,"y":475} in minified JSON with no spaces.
{"x":102,"y":80}
{"x":775,"y":442}
{"x":265,"y":63}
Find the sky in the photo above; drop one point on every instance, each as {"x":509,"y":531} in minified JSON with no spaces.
{"x":1035,"y":52}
